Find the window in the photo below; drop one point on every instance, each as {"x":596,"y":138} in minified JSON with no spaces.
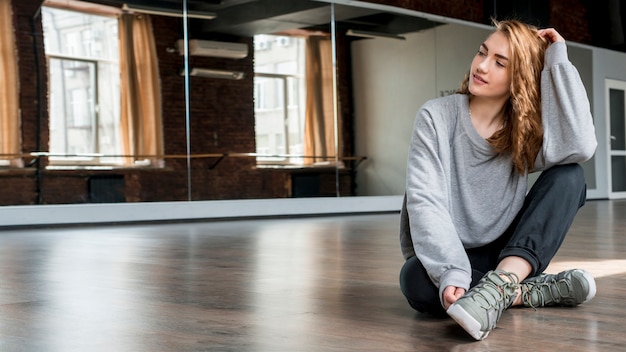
{"x":84,"y":84}
{"x":280,"y":93}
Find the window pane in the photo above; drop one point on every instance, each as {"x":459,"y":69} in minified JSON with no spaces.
{"x":269,"y":117}
{"x":618,"y":171}
{"x":76,"y":34}
{"x":72,"y":100}
{"x":108,"y":113}
{"x":296,"y":113}
{"x":617,"y":109}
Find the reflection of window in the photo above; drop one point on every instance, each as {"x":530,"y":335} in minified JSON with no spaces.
{"x":279,"y":98}
{"x":82,"y":53}
{"x":262,"y":42}
{"x":80,"y":112}
{"x":283,"y":41}
{"x":73,"y":43}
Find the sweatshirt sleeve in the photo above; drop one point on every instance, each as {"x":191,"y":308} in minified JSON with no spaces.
{"x":568,"y":130}
{"x":435,"y":239}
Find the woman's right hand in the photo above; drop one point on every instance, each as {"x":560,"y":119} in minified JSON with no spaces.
{"x":451,"y":294}
{"x":551,"y":35}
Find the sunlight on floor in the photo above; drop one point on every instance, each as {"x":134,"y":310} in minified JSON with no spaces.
{"x":598,"y":269}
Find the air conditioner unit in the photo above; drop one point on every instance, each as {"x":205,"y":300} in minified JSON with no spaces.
{"x":213,"y":48}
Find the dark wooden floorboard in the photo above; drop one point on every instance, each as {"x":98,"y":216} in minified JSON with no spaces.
{"x":302,"y":284}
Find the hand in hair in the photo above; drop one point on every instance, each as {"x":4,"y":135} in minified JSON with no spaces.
{"x":551,"y":35}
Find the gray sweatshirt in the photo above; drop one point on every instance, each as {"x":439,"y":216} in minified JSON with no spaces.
{"x":461,"y":194}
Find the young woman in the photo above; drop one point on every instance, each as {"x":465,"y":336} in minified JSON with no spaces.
{"x":475,"y":241}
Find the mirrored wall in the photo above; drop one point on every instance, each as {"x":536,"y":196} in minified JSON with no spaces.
{"x":159,"y":101}
{"x":152,"y":101}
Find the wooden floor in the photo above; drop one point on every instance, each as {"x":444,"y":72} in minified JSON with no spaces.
{"x":299,"y":284}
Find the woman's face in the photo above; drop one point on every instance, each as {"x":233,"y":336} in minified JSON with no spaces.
{"x":489,"y":75}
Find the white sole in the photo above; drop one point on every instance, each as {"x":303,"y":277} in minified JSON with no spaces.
{"x":592,"y":285}
{"x":467,"y":322}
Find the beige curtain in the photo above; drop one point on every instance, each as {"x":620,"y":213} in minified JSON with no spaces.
{"x":319,"y":129}
{"x":9,"y":103}
{"x":141,"y":114}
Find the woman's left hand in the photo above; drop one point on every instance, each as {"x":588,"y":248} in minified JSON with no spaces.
{"x":451,"y":294}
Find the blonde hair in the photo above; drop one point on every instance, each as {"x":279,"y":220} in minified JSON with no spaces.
{"x":522,"y":134}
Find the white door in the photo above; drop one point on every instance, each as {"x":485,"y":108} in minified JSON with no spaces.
{"x":616,"y":122}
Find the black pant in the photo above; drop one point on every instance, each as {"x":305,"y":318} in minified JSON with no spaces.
{"x":535,"y":234}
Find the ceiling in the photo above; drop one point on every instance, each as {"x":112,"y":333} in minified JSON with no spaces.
{"x":251,"y":17}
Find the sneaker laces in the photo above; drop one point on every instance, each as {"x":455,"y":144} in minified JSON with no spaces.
{"x":541,"y":289}
{"x":494,"y":291}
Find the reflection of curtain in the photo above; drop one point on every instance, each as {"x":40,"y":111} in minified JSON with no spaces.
{"x":140,"y":105}
{"x":9,"y":105}
{"x":319,"y":130}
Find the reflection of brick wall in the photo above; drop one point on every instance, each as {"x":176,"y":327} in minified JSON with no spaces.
{"x":221,"y":111}
{"x":30,"y":102}
{"x":20,"y":186}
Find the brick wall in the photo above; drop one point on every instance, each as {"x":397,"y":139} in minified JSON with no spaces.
{"x":570,"y":18}
{"x":468,"y":10}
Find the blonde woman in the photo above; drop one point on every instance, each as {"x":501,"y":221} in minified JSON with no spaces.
{"x":475,"y":240}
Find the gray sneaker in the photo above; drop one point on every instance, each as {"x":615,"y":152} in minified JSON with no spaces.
{"x":568,"y":288}
{"x":480,"y":308}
